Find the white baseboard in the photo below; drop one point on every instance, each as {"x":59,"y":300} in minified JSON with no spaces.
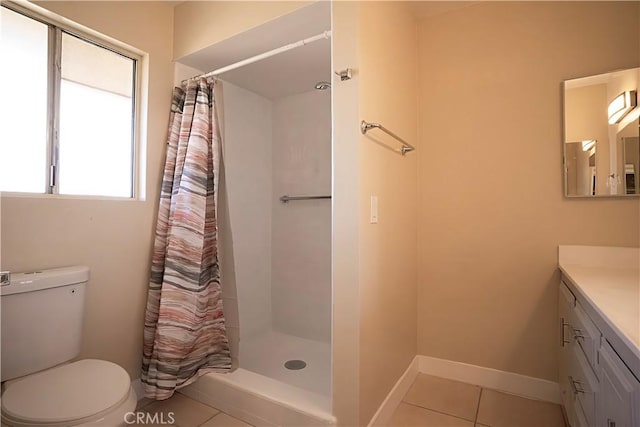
{"x":508,"y":382}
{"x":521,"y":385}
{"x":393,"y":399}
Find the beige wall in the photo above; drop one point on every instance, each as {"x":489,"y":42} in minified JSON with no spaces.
{"x":388,"y":250}
{"x":345,"y":245}
{"x":114,"y":238}
{"x":374,"y":265}
{"x":199,"y":24}
{"x":492,"y":211}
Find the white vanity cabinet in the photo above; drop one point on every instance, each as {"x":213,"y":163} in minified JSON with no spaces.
{"x":597,"y":387}
{"x":619,"y":399}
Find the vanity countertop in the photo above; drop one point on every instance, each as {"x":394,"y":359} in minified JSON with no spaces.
{"x":608,"y":280}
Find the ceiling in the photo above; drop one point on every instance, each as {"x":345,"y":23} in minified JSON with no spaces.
{"x":285,"y":74}
{"x":294,"y":71}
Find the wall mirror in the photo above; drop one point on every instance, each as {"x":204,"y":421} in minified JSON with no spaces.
{"x":601,"y":143}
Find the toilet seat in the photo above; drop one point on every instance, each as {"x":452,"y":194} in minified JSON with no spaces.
{"x":67,"y":395}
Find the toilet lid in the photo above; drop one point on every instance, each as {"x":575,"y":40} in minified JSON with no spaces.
{"x":69,"y":392}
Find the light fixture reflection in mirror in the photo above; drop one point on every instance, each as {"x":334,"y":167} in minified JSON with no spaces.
{"x":588,"y":144}
{"x":601,"y":135}
{"x":621,"y":106}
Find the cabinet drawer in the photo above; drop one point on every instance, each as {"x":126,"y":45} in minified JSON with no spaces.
{"x":584,"y":385}
{"x":619,"y":397}
{"x":566,"y":295}
{"x":586,"y":335}
{"x":566,"y":303}
{"x":568,"y":397}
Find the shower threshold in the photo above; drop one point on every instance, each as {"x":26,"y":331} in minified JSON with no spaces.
{"x":260,"y":400}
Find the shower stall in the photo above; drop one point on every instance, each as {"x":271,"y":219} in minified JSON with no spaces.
{"x":281,"y":250}
{"x":274,"y":223}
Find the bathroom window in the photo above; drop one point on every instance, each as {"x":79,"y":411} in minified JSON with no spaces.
{"x":68,"y":111}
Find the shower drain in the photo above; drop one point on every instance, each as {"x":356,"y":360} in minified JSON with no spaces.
{"x":295,"y":365}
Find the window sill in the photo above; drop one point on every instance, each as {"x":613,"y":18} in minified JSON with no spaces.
{"x":11,"y":195}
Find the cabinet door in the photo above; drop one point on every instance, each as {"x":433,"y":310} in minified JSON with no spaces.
{"x":617,"y":400}
{"x":586,"y":335}
{"x":584,"y":385}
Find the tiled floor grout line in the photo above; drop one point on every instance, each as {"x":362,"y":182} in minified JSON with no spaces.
{"x":435,"y":410}
{"x":475,"y":419}
{"x":500,"y":406}
{"x":210,"y":418}
{"x":219,"y":413}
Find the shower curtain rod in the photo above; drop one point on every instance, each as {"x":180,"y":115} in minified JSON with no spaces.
{"x":273,"y":52}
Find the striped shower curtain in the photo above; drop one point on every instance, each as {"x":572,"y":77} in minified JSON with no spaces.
{"x":184,"y":331}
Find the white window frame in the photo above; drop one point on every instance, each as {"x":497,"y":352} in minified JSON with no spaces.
{"x":55,"y":30}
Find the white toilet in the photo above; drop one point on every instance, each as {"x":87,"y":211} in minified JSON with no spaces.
{"x":42,"y":315}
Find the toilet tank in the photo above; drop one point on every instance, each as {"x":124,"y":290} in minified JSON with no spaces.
{"x":41,"y":315}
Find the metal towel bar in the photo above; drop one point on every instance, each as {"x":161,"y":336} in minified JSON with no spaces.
{"x":286,"y":199}
{"x":366,"y":126}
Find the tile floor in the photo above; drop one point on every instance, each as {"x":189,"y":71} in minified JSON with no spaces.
{"x":186,"y":413}
{"x":437,"y":402}
{"x":430,"y":402}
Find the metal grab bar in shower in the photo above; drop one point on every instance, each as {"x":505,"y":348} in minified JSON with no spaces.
{"x":286,"y":199}
{"x":366,"y":126}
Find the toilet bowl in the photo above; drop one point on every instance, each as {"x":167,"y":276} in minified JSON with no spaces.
{"x":42,"y":314}
{"x":87,"y":392}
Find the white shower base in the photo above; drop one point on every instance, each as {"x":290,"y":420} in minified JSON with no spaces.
{"x":263,"y":392}
{"x":266,"y":354}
